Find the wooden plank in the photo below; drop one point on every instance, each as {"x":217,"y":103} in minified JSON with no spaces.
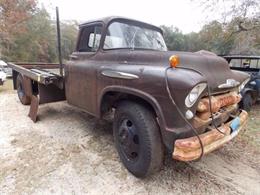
{"x":41,"y":65}
{"x":40,"y":76}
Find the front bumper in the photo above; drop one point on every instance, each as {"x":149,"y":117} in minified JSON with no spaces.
{"x":189,"y":149}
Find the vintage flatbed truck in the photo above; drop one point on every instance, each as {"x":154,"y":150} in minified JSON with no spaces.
{"x":185,"y":103}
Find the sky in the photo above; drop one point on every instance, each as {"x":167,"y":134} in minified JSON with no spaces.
{"x":187,"y":15}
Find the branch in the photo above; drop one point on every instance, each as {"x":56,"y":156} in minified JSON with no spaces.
{"x":243,"y":28}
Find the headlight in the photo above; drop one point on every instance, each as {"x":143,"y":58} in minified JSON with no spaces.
{"x":242,"y":86}
{"x":194,"y":94}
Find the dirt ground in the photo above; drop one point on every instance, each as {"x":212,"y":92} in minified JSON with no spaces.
{"x":70,"y":152}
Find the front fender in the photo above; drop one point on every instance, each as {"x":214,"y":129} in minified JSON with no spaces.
{"x":167,"y":135}
{"x":181,"y":82}
{"x":136,"y":92}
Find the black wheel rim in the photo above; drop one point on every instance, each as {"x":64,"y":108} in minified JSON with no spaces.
{"x":129,"y":140}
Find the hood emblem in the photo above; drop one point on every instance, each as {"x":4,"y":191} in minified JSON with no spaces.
{"x":229,"y":84}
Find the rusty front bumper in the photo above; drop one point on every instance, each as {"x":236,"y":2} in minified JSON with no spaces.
{"x":189,"y":149}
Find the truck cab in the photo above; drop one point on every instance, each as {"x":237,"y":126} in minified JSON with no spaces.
{"x":182,"y":102}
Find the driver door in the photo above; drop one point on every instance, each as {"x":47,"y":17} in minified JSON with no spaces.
{"x":81,"y":70}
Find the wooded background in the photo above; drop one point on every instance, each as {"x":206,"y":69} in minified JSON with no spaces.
{"x":27,"y":32}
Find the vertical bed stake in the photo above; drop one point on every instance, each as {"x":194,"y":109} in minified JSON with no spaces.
{"x":59,"y":41}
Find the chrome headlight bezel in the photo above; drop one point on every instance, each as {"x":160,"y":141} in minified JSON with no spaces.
{"x":194,"y":94}
{"x":243,"y":84}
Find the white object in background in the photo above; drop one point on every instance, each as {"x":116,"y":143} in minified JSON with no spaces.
{"x":2,"y":76}
{"x":2,"y":63}
{"x":6,"y":69}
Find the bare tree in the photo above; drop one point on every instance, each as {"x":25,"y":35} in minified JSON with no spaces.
{"x":245,"y":14}
{"x":240,"y":20}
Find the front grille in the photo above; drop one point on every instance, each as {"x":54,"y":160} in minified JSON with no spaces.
{"x":223,"y":106}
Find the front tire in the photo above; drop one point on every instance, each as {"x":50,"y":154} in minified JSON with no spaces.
{"x":24,"y":99}
{"x":137,"y":139}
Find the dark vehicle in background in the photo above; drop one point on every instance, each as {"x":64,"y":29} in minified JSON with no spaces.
{"x":250,"y":65}
{"x":186,"y":103}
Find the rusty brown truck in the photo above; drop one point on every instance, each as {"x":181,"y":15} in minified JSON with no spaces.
{"x":182,"y":102}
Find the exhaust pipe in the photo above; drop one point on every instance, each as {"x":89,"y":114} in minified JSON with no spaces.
{"x":59,"y":41}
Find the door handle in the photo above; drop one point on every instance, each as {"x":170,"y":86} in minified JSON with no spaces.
{"x":73,"y":57}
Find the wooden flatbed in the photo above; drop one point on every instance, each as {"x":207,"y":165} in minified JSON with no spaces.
{"x":37,"y":83}
{"x":40,"y":72}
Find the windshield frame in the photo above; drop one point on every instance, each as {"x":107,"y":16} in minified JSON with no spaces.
{"x":134,"y":23}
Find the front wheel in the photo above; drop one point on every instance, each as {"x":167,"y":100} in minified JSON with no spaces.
{"x":137,"y":139}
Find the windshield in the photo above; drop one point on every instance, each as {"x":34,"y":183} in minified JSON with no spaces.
{"x":122,"y":35}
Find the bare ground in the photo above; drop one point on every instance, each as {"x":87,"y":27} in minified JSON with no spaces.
{"x":70,"y":152}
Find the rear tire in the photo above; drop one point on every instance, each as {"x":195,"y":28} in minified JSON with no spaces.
{"x":247,"y":102}
{"x":24,"y":99}
{"x":137,"y":138}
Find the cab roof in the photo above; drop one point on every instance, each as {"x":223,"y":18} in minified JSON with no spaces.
{"x":107,"y":20}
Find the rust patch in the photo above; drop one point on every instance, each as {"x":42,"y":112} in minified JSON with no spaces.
{"x":189,"y":149}
{"x":34,"y":108}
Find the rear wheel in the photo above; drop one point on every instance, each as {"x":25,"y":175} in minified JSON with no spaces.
{"x":137,"y":139}
{"x":24,"y":99}
{"x":247,"y":102}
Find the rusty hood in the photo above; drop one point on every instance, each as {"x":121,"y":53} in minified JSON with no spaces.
{"x":214,"y":69}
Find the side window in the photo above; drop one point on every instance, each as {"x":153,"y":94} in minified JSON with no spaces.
{"x":235,"y":63}
{"x":89,"y":38}
{"x":246,"y":63}
{"x":253,"y":63}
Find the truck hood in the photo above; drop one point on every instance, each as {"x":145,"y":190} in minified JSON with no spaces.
{"x":215,"y":69}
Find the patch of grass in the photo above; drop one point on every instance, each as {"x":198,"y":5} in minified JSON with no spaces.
{"x":8,"y":85}
{"x":252,"y":132}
